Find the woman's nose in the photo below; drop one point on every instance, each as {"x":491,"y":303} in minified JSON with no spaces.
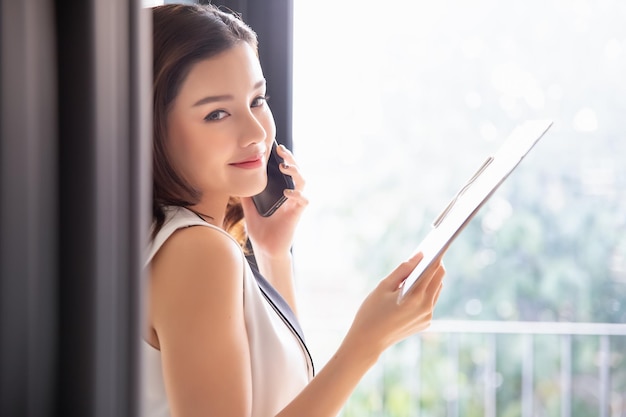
{"x":251,"y":130}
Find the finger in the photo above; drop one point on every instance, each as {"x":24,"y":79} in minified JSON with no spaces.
{"x":424,"y":279}
{"x":402,"y":271}
{"x":286,"y":154}
{"x":290,"y":164}
{"x":294,"y":172}
{"x":436,"y":282}
{"x":296,"y":196}
{"x":427,"y":282}
{"x":437,"y":293}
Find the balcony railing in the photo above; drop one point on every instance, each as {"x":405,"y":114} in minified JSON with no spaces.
{"x":495,"y":368}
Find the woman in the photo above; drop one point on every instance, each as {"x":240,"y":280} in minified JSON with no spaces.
{"x":221,"y":336}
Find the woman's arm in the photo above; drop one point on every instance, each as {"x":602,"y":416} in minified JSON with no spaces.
{"x":278,"y":270}
{"x":196,"y":311}
{"x":272,"y":237}
{"x":380,"y":322}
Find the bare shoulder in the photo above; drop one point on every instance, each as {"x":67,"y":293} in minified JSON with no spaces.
{"x":197,"y":320}
{"x":194,"y":248}
{"x":196,"y":269}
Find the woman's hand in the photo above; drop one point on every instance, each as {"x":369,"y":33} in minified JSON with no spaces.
{"x":383,"y":319}
{"x":273,"y":236}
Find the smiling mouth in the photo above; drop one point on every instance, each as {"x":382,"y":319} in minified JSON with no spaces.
{"x":255,"y":162}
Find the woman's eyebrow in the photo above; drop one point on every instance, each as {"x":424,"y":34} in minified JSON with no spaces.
{"x":212,"y":99}
{"x":224,"y":97}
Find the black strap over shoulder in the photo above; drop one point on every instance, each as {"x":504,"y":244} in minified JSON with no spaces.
{"x":278,"y":302}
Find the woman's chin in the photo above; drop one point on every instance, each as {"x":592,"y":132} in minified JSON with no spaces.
{"x":252,"y":191}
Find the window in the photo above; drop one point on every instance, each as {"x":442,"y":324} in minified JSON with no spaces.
{"x":395,"y":105}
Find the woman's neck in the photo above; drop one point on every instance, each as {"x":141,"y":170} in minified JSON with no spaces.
{"x":212,"y":212}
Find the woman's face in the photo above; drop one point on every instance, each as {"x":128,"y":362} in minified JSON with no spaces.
{"x":220,"y":128}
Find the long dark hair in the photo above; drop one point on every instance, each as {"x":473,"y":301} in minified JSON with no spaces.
{"x":184,"y":34}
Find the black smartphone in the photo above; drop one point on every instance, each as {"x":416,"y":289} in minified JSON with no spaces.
{"x":272,"y":196}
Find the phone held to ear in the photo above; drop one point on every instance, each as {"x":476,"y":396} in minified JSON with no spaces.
{"x":272,"y":196}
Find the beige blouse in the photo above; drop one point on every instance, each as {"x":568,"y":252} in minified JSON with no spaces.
{"x":280,"y":363}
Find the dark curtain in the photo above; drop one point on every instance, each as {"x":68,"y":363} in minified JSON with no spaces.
{"x":28,"y":208}
{"x":74,"y":208}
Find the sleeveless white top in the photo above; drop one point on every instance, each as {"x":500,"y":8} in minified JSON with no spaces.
{"x":280,"y":363}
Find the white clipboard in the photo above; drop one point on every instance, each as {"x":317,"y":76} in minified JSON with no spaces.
{"x":473,"y":195}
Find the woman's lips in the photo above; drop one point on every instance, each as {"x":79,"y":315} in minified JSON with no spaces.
{"x":250,"y":163}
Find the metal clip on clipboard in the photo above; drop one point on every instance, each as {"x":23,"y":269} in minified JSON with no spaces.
{"x":468,"y":184}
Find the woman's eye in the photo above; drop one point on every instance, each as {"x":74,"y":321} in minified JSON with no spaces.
{"x":259,"y":101}
{"x":215,"y":115}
